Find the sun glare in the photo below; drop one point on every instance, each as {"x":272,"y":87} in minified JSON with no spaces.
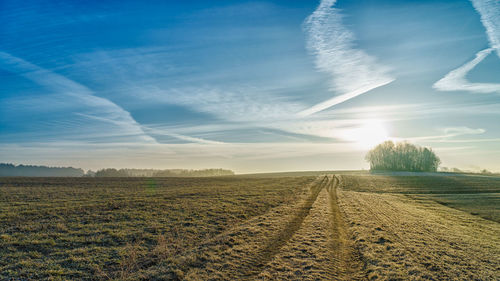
{"x":369,"y":134}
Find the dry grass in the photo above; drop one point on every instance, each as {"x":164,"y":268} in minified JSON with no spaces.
{"x":403,"y":238}
{"x":258,"y":228}
{"x":320,"y":249}
{"x":304,"y":241}
{"x":79,"y":228}
{"x":243,"y":251}
{"x":477,"y":195}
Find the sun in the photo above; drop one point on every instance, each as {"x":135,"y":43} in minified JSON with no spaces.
{"x":368,"y":134}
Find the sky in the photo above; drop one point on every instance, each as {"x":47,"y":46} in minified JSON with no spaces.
{"x":252,"y":86}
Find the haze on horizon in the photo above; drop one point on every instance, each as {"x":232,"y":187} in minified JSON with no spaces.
{"x":251,"y":86}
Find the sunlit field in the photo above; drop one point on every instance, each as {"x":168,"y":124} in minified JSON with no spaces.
{"x":77,"y":228}
{"x":477,"y":195}
{"x":352,"y":226}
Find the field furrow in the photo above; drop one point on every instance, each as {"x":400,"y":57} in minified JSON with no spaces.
{"x":243,"y":251}
{"x":401,"y":238}
{"x":318,"y":250}
{"x":347,"y":259}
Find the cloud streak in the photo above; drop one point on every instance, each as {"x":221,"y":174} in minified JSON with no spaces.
{"x":456,"y":80}
{"x":353,"y":72}
{"x":155,"y":131}
{"x":447,"y":134}
{"x":489,"y":10}
{"x":79,"y":94}
{"x":237,"y":105}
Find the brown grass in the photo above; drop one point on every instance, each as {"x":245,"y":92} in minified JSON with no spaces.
{"x":349,"y":227}
{"x":401,"y":238}
{"x":77,"y":228}
{"x":320,"y":249}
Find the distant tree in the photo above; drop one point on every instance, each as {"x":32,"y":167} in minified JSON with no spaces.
{"x":444,"y":169}
{"x":111,"y":173}
{"x":89,"y":174}
{"x":402,"y":156}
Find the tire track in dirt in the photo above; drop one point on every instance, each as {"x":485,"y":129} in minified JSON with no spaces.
{"x":320,"y":249}
{"x":346,"y":259}
{"x":241,"y":252}
{"x":307,"y":255}
{"x":264,"y":255}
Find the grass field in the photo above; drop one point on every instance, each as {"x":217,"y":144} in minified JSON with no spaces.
{"x":76,"y":228}
{"x":351,"y":226}
{"x":478,"y":195}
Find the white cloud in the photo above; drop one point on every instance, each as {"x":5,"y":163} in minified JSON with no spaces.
{"x":353,"y":72}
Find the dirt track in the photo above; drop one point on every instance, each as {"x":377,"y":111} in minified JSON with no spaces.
{"x":320,"y":249}
{"x":306,"y":241}
{"x":334,"y":234}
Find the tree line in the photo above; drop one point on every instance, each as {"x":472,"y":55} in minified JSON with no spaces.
{"x":402,"y":156}
{"x":162,"y":173}
{"x":11,"y":170}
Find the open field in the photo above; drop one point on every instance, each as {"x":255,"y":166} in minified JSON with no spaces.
{"x":478,"y":195}
{"x":403,"y":232}
{"x":351,"y":226}
{"x":76,"y":228}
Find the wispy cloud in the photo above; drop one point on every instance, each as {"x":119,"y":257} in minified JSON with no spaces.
{"x":447,"y":135}
{"x":246,"y":104}
{"x":77,"y":94}
{"x":353,"y":71}
{"x":456,"y":131}
{"x":156,"y":131}
{"x":153,"y":131}
{"x":456,"y":80}
{"x":490,"y":17}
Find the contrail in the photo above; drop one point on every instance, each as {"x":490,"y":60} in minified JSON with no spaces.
{"x":340,"y":99}
{"x":456,"y":80}
{"x":353,"y":72}
{"x":155,"y":131}
{"x":489,"y":10}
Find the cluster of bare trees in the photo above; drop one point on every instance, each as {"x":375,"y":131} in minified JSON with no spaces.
{"x":402,"y":156}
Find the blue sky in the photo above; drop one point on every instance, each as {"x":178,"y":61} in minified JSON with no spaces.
{"x":246,"y":85}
